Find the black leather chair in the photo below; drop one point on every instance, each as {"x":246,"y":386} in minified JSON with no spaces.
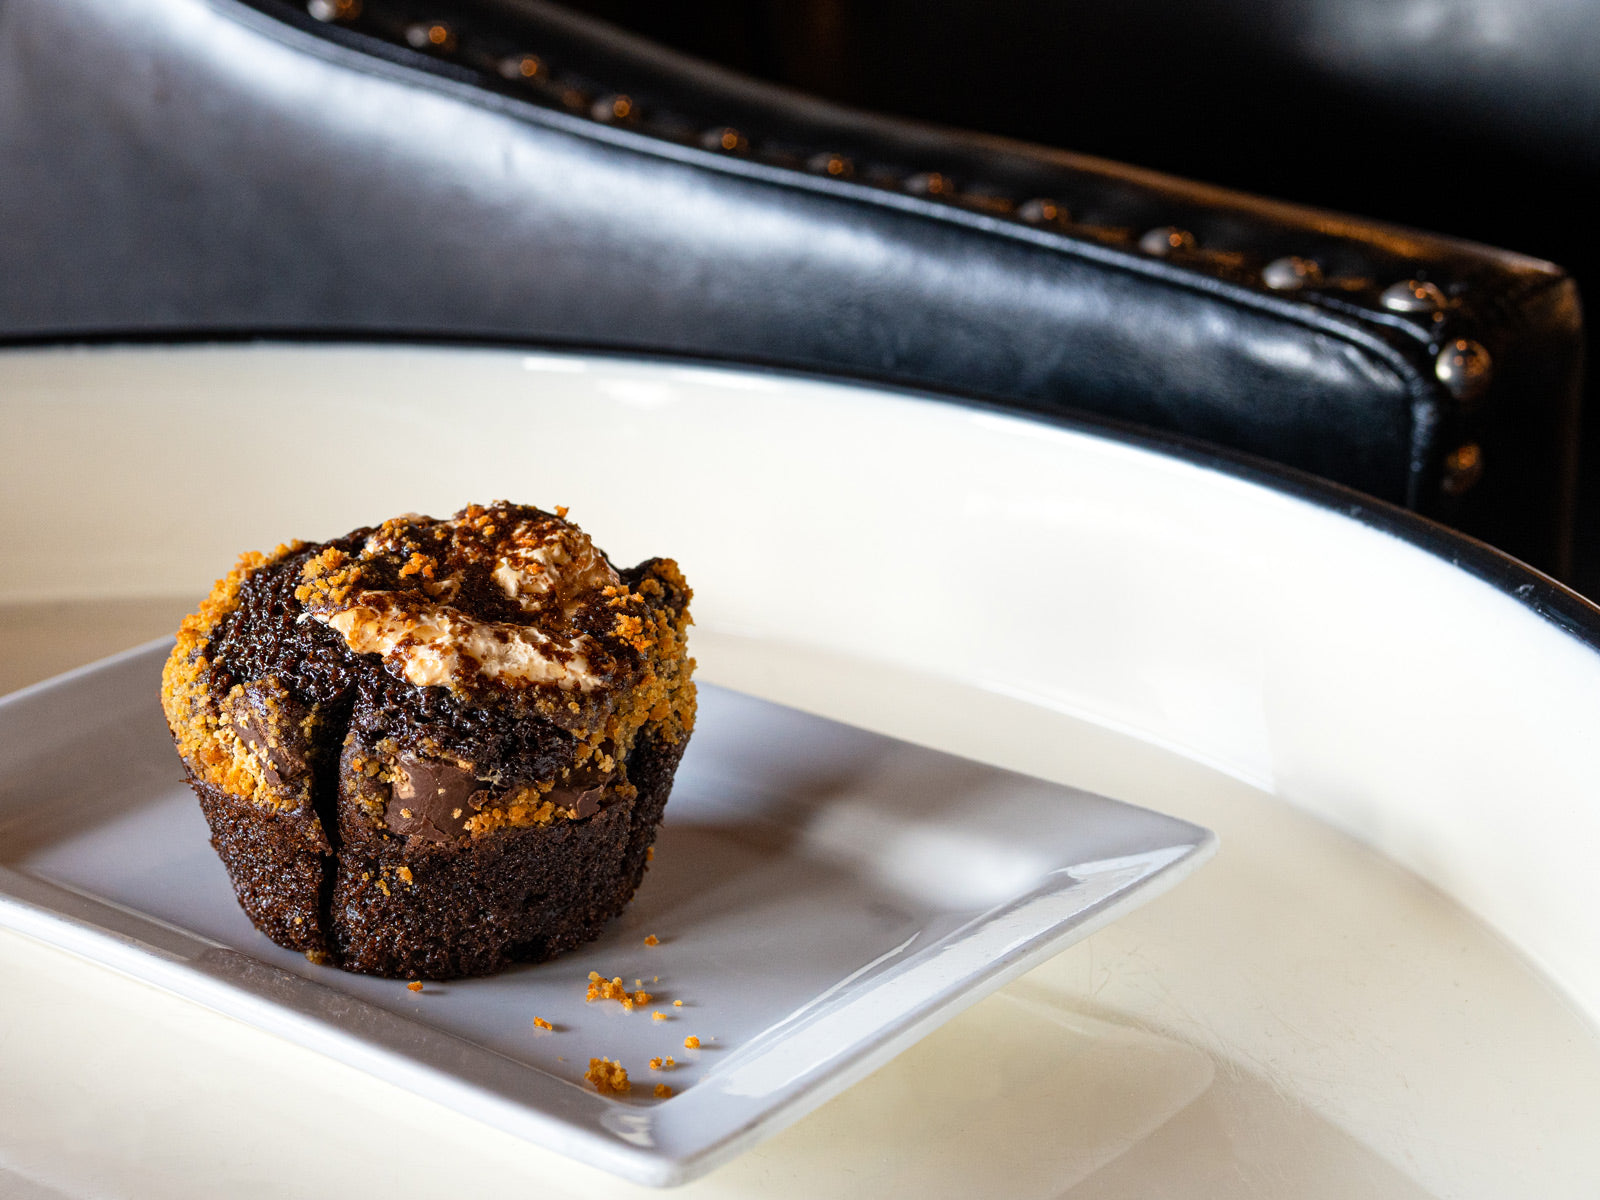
{"x":1476,"y":118}
{"x":507,"y":170}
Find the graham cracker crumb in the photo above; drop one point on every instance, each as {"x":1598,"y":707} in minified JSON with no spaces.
{"x":609,"y":1078}
{"x":663,"y":1091}
{"x":524,"y":807}
{"x":677,"y":1004}
{"x":601,"y":988}
{"x":414,"y":986}
{"x":652,"y":940}
{"x":691,"y":1042}
{"x":658,"y":1016}
{"x":541,"y":1023}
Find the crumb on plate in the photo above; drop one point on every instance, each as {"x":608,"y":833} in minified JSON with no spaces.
{"x":601,"y":988}
{"x":609,"y":1078}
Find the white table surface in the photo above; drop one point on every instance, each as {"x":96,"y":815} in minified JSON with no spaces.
{"x":1332,"y":1028}
{"x":1302,"y":1018}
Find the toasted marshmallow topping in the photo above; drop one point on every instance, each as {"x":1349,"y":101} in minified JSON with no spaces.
{"x":535,"y":562}
{"x":546,"y":567}
{"x":433,"y":646}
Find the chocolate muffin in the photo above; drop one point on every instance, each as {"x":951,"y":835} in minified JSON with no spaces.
{"x":435,"y":748}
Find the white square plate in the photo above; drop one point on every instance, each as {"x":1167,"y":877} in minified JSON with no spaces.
{"x":823,"y":897}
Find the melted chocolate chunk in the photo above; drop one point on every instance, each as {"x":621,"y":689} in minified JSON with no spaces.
{"x":429,"y":799}
{"x":266,"y":719}
{"x":584,"y":802}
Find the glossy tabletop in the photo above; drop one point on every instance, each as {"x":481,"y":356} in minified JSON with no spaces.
{"x":1344,"y":1002}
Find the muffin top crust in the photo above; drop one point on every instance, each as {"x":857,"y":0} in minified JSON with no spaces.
{"x":497,"y":651}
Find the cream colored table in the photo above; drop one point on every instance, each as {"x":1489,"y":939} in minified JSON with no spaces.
{"x":1304,"y":1017}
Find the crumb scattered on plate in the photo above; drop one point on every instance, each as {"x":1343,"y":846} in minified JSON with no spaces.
{"x":663,"y":1091}
{"x":609,"y":1078}
{"x":652,"y":940}
{"x":691,"y":1042}
{"x":541,"y":1023}
{"x":601,"y":988}
{"x":414,"y":986}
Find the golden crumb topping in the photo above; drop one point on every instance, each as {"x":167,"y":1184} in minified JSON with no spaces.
{"x":534,"y":804}
{"x":205,"y":737}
